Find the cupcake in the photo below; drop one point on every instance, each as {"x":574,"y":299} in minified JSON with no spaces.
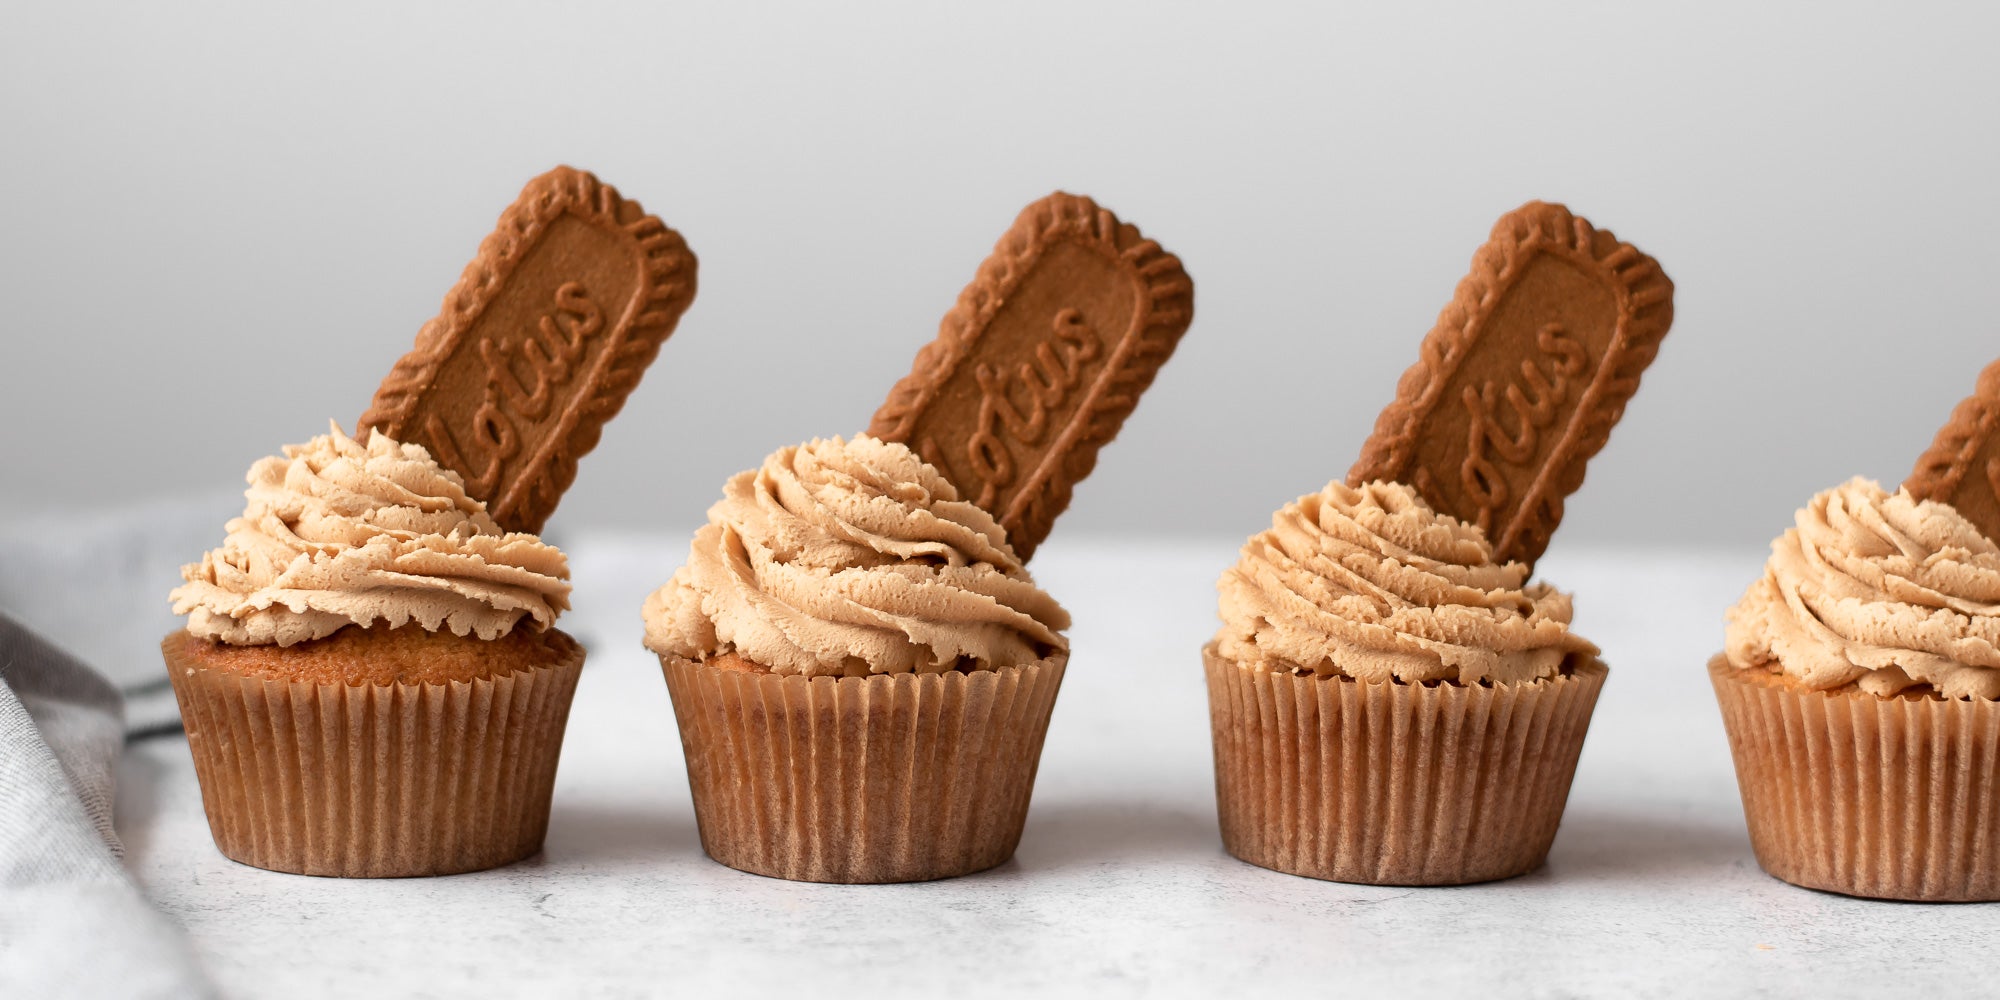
{"x":1858,"y":686}
{"x":1390,"y":704}
{"x":370,"y":677}
{"x":861,"y":667}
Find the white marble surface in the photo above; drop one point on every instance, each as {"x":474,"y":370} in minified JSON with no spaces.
{"x":1121,"y":886}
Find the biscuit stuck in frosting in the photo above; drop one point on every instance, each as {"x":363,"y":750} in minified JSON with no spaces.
{"x":339,"y":533}
{"x":1879,"y":590}
{"x":1370,"y":583}
{"x":851,"y":558}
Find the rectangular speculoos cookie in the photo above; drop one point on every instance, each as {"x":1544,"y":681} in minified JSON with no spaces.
{"x":1523,"y":376}
{"x":1040,"y":362}
{"x":539,"y":343}
{"x":1962,"y":467}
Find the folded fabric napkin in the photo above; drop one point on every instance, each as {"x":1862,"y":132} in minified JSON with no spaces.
{"x":72,"y":923}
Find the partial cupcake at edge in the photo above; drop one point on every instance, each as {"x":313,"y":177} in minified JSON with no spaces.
{"x":861,"y":666}
{"x":370,"y":676}
{"x":1392,"y":700}
{"x":1860,"y":680}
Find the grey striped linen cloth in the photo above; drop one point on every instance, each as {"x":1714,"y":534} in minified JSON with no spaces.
{"x":72,"y":921}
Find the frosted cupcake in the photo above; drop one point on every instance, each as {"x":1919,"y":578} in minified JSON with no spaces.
{"x":369,"y":675}
{"x":1858,"y":686}
{"x":862,"y":670}
{"x":1389,"y":704}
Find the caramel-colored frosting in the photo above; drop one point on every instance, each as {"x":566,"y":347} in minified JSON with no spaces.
{"x":1372,"y":584}
{"x":340,"y":533}
{"x":850,"y":558}
{"x":1879,"y":590}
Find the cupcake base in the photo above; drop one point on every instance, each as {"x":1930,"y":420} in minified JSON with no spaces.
{"x":1394,"y":784}
{"x":889,"y":778}
{"x":1889,"y":798}
{"x":375,"y":780}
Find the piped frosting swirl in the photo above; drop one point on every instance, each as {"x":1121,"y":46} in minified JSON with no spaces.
{"x":337,"y":532}
{"x":850,"y":558}
{"x":1879,"y":590}
{"x":1372,"y":584}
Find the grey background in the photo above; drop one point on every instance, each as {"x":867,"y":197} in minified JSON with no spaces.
{"x":225,"y":222}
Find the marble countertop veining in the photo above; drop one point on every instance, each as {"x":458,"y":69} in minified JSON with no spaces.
{"x":1121,"y":886}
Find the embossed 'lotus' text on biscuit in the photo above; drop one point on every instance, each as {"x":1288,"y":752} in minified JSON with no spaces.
{"x":484,"y":422}
{"x":1534,"y":398}
{"x":1040,"y":361}
{"x":1505,"y":429}
{"x":1520,"y":381}
{"x":539,"y":343}
{"x":508,"y":410}
{"x":998,"y":419}
{"x":1046,"y":383}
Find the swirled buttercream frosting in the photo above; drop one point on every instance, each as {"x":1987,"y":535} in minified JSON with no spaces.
{"x":339,"y":533}
{"x":851,"y":558}
{"x":1878,"y":590}
{"x":1372,"y":584}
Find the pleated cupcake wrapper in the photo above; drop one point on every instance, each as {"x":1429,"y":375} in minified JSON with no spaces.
{"x":889,"y":778}
{"x":1394,"y":784}
{"x":1894,"y":798}
{"x":375,"y":781}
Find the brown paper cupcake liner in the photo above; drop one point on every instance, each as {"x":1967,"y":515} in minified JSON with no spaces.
{"x":375,"y":781}
{"x":889,"y":778}
{"x":1394,"y":784}
{"x":1894,"y":798}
